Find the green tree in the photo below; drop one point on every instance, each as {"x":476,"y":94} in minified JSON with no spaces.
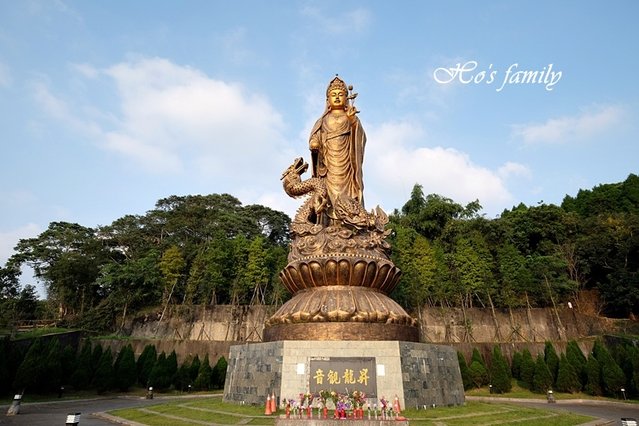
{"x":254,"y":279}
{"x":273,"y":225}
{"x":516,"y":365}
{"x":633,"y":374}
{"x":627,"y":357}
{"x":567,"y":378}
{"x":465,"y":372}
{"x":103,"y":380}
{"x":579,"y":362}
{"x":182,"y":378}
{"x":593,"y":387}
{"x":6,"y":377}
{"x":612,"y":377}
{"x":472,"y":266}
{"x":125,"y":371}
{"x":161,"y":377}
{"x":52,"y":370}
{"x":96,"y":355}
{"x":26,"y":305}
{"x":171,"y":365}
{"x":218,"y":374}
{"x":31,"y":370}
{"x":418,"y":261}
{"x":68,"y":361}
{"x":500,"y":372}
{"x":551,"y":359}
{"x":145,"y":364}
{"x":478,"y":374}
{"x":527,"y":371}
{"x":606,"y":198}
{"x":210,"y":272}
{"x":542,"y":379}
{"x":515,"y":277}
{"x":431,"y":214}
{"x":194,"y":368}
{"x":131,"y":282}
{"x":83,"y":374}
{"x":203,"y":380}
{"x":9,"y":289}
{"x":67,"y":258}
{"x":172,"y":266}
{"x":478,"y":370}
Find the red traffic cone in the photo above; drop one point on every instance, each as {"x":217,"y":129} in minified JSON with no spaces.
{"x":273,"y":404}
{"x":267,"y":410}
{"x":396,"y":405}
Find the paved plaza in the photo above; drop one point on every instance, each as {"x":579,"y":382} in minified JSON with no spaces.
{"x":55,"y":412}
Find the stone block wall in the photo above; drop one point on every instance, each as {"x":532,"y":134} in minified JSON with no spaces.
{"x":417,"y":374}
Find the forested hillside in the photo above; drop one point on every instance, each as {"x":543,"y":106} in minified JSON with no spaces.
{"x":213,"y":250}
{"x":538,"y":255}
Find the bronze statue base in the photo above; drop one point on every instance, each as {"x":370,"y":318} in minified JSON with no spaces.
{"x":341,"y":331}
{"x":341,"y":296}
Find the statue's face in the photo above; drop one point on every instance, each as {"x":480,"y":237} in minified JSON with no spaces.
{"x":337,"y":99}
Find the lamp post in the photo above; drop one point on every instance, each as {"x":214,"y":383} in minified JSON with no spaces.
{"x":490,"y":389}
{"x":15,"y":405}
{"x":149,"y":393}
{"x":623,"y":392}
{"x":550,"y":396}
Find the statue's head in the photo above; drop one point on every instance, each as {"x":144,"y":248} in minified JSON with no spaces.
{"x":336,"y":83}
{"x":337,"y":94}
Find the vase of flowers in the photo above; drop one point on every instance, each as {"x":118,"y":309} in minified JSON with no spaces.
{"x":308,"y":397}
{"x":384,"y":406}
{"x":324,"y":395}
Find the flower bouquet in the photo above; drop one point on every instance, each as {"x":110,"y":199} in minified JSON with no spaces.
{"x":324,"y":395}
{"x":308,"y":397}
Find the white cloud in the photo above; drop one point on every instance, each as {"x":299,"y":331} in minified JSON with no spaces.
{"x":182,"y":117}
{"x":571,"y":128}
{"x":514,"y":169}
{"x":394,"y":164}
{"x":86,"y":70}
{"x":60,"y":110}
{"x":175,"y":119}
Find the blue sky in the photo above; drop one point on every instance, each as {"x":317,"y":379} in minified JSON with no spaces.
{"x":107,"y":107}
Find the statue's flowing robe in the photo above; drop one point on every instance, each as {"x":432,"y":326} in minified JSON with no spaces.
{"x":339,"y":158}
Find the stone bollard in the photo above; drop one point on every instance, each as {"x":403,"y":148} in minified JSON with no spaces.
{"x":73,"y":419}
{"x":15,"y":405}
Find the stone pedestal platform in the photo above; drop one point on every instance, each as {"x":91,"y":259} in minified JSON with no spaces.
{"x":418,"y":374}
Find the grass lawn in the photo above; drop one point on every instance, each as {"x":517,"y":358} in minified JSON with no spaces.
{"x":213,"y":410}
{"x":519,"y":391}
{"x":42,"y":331}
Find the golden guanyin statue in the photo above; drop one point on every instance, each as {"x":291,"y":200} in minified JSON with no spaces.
{"x":337,"y":148}
{"x":339,"y":269}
